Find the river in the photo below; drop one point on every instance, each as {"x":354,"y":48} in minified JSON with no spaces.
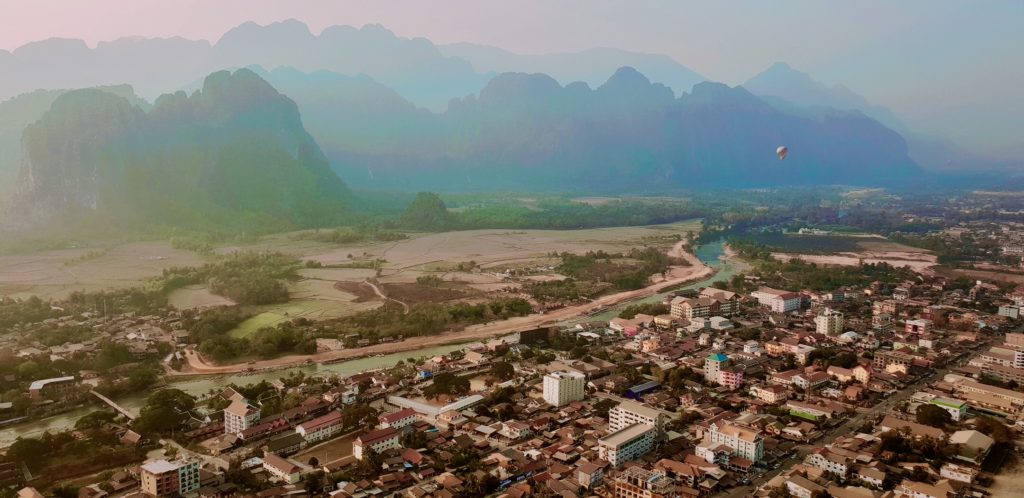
{"x":711,"y":254}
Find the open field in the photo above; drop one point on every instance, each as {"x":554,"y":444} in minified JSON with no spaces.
{"x":55,"y":274}
{"x":196,"y":297}
{"x":197,"y":365}
{"x":918,"y":261}
{"x":1016,"y":278}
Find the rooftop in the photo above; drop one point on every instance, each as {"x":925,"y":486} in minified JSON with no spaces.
{"x":627,"y":434}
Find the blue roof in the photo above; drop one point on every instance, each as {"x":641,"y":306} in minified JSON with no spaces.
{"x":646,"y":386}
{"x":718,"y":357}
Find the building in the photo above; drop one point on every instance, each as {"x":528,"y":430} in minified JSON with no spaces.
{"x":918,"y":326}
{"x":281,"y":469}
{"x":378,"y":441}
{"x":239,"y":416}
{"x":165,"y":478}
{"x":589,"y":474}
{"x":320,"y":428}
{"x":628,"y":413}
{"x":829,"y":322}
{"x":397,"y":420}
{"x":890,"y":361}
{"x":1009,"y":311}
{"x":779,"y":301}
{"x":826,"y":460}
{"x":770,"y":393}
{"x":637,"y":482}
{"x":745,"y":443}
{"x":712,"y":364}
{"x":562,"y":388}
{"x":728,"y":302}
{"x":627,"y":444}
{"x":50,"y":387}
{"x":957,"y":409}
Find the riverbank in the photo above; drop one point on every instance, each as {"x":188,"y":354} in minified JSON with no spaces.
{"x":697,"y":270}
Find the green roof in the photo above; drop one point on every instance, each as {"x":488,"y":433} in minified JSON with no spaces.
{"x":718,"y":357}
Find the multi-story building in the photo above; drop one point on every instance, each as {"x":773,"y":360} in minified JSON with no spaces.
{"x":628,"y":413}
{"x":918,"y":326}
{"x":746,"y":443}
{"x":281,"y":469}
{"x":169,"y":478}
{"x":779,"y":301}
{"x":892,"y":361}
{"x":320,"y":428}
{"x":826,"y":460}
{"x":51,"y":387}
{"x":713,"y":364}
{"x":378,"y":441}
{"x":627,"y":444}
{"x":239,"y":416}
{"x":881,"y":323}
{"x":637,"y":482}
{"x":562,"y":388}
{"x":829,"y":322}
{"x":397,"y":420}
{"x":862,"y":373}
{"x":770,"y":393}
{"x":728,"y":302}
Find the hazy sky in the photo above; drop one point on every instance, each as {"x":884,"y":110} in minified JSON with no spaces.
{"x":949,"y":66}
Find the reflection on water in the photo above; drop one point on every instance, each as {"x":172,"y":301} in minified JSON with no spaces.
{"x":711,"y":254}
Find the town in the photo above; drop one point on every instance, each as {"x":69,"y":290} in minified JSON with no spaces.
{"x":883,"y":390}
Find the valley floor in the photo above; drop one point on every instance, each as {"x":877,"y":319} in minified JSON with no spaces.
{"x":198,"y":365}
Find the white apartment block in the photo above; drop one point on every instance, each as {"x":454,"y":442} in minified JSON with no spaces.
{"x":562,"y":388}
{"x":239,"y":416}
{"x":628,"y":413}
{"x":779,"y":301}
{"x":627,"y":444}
{"x":829,"y":322}
{"x":746,"y":443}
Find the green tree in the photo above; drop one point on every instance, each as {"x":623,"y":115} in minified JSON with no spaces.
{"x":503,"y":370}
{"x":933,"y":415}
{"x":165,"y":411}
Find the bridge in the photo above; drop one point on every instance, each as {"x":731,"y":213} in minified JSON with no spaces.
{"x":118,"y":408}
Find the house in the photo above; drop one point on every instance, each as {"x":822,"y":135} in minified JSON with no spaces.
{"x":973,"y":445}
{"x":281,"y":469}
{"x":959,"y":473}
{"x":589,"y":474}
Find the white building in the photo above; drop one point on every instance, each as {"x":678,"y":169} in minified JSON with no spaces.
{"x":746,"y":443}
{"x":166,"y":478}
{"x":239,"y":416}
{"x":779,"y":301}
{"x":627,"y":444}
{"x":628,"y":413}
{"x":828,"y":461}
{"x":378,"y":441}
{"x":829,"y":322}
{"x":320,"y":428}
{"x":562,"y":388}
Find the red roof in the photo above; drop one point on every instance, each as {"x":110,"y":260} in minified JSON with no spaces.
{"x":399,"y":415}
{"x":376,"y":436}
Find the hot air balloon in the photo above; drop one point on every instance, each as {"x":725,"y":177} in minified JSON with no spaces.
{"x":782,"y":152}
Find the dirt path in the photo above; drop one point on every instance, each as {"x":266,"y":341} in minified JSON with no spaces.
{"x":197,"y":365}
{"x":383,"y":296}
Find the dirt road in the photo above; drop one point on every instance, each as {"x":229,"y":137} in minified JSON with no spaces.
{"x":197,"y":365}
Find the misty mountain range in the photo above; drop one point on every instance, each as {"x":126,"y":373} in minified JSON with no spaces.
{"x":365,"y":108}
